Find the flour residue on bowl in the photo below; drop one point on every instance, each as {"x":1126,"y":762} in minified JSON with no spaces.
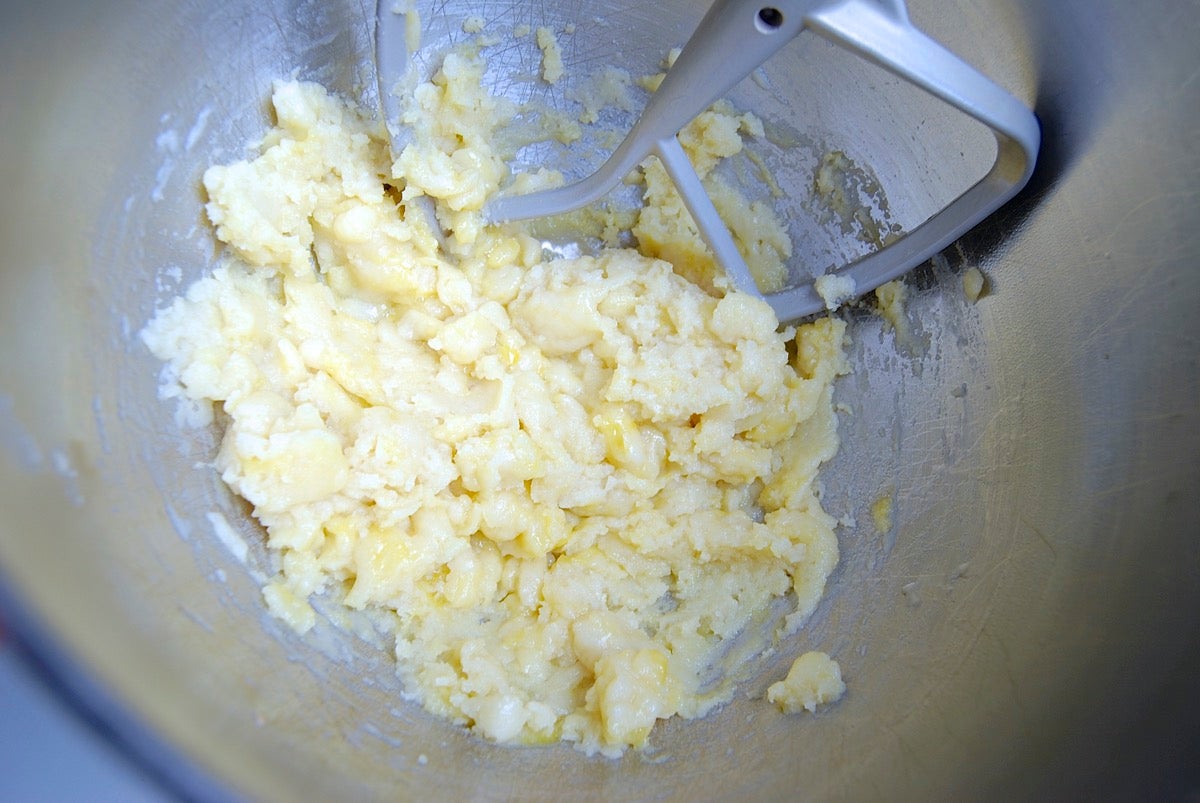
{"x":570,"y":483}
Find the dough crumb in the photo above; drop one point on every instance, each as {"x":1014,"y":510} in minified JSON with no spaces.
{"x":552,"y":63}
{"x":835,"y":290}
{"x":889,"y":301}
{"x":814,"y":680}
{"x":412,"y":29}
{"x":473,"y":25}
{"x":975,"y":284}
{"x":881,"y":513}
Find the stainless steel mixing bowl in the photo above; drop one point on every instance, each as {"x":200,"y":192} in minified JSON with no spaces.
{"x":1031,"y":627}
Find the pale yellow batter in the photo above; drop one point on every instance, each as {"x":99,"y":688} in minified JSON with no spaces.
{"x":569,"y":483}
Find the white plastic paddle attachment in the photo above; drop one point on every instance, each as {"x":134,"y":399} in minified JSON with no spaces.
{"x":733,"y":39}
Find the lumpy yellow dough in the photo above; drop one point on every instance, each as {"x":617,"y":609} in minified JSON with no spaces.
{"x":814,"y":680}
{"x":568,"y":483}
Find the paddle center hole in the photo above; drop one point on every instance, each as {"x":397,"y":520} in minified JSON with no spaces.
{"x":770,"y":19}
